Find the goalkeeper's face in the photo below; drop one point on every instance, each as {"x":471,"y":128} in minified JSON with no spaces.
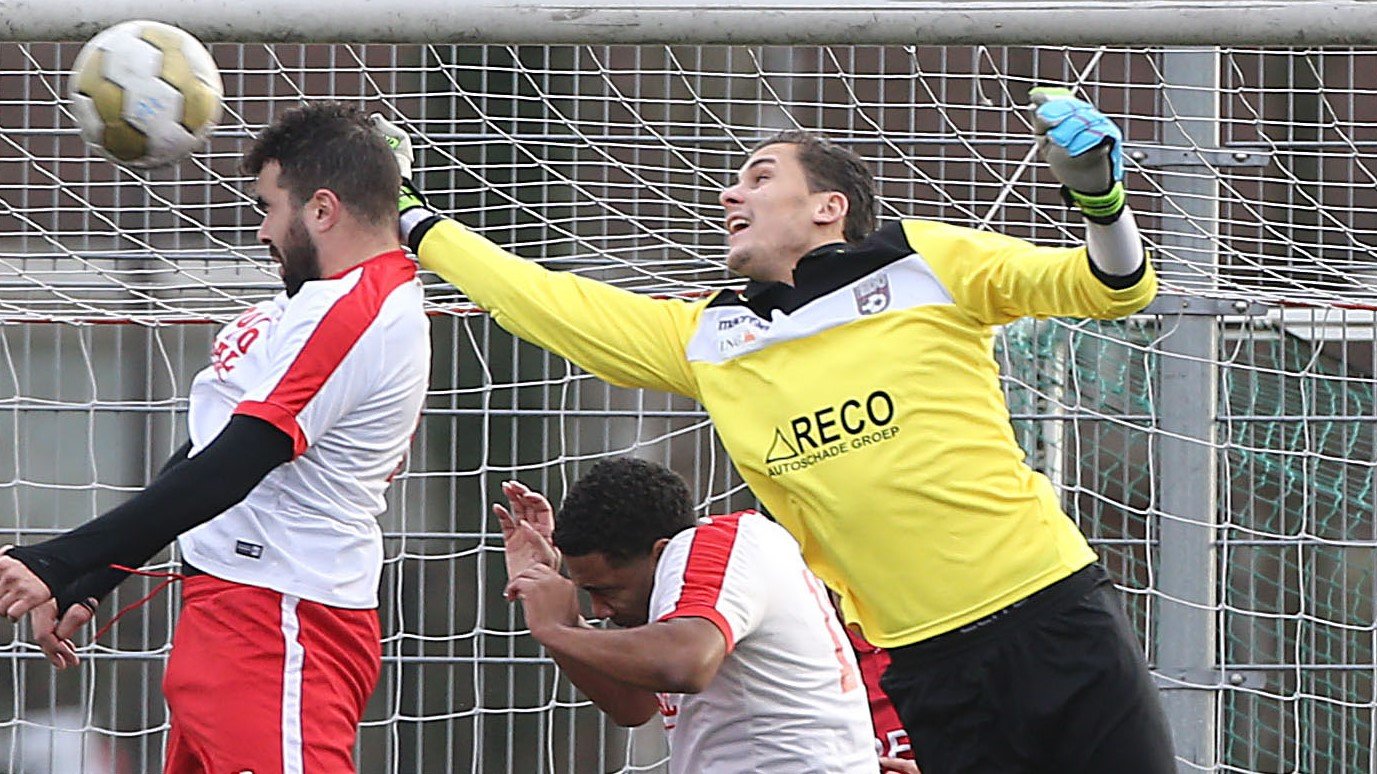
{"x":617,"y":591}
{"x":772,"y":217}
{"x":284,"y":232}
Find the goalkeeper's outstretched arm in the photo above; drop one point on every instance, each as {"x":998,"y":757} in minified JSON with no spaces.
{"x":625,"y":338}
{"x":1084,"y":150}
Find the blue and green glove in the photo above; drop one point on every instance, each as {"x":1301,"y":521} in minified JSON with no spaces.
{"x":1084,"y":149}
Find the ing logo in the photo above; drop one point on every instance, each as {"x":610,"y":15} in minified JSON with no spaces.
{"x":738,"y":332}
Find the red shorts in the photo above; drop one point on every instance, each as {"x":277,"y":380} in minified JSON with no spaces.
{"x":266,"y":683}
{"x":891,"y":740}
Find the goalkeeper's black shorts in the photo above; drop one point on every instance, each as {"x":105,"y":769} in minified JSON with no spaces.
{"x":1054,"y":683}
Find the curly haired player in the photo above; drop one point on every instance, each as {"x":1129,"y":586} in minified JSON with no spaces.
{"x":724,"y":632}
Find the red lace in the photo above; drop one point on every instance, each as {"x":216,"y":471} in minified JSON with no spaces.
{"x":171,"y":578}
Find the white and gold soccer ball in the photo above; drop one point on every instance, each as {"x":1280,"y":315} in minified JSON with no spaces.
{"x":145,"y":94}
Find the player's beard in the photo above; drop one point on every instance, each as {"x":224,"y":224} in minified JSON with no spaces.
{"x":299,"y":256}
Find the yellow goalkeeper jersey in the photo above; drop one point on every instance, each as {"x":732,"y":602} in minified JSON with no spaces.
{"x":861,"y":404}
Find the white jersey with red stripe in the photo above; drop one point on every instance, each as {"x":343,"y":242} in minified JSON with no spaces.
{"x":342,"y":369}
{"x":788,"y":696}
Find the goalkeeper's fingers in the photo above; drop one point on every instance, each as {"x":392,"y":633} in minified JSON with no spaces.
{"x":398,"y":140}
{"x":1075,"y":129}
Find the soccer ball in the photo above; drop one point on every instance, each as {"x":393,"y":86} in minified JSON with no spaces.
{"x":145,"y":94}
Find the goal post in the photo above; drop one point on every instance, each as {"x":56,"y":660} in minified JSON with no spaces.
{"x":1220,"y":451}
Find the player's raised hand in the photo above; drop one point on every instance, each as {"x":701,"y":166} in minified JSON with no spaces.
{"x":20,"y":589}
{"x":531,"y":507}
{"x":1084,"y":150}
{"x":528,"y":522}
{"x":54,"y":637}
{"x":548,"y":598}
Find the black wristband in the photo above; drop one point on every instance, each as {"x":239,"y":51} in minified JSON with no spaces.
{"x":419,"y":231}
{"x":1118,"y":281}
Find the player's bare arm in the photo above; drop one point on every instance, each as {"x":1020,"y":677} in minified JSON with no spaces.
{"x":551,"y":604}
{"x":681,"y":655}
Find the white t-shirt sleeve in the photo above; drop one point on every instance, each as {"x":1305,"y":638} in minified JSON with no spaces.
{"x":314,"y":375}
{"x":711,"y":572}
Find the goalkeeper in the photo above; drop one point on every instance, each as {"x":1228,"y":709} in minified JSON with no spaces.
{"x":853,"y":384}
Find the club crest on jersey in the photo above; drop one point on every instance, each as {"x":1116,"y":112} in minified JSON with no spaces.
{"x":872,"y":294}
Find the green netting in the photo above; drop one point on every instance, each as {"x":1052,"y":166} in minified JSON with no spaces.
{"x":1296,"y":554}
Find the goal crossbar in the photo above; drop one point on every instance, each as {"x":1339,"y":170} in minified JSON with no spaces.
{"x":764,"y":22}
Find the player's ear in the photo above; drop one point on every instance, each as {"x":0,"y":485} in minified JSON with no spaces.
{"x":323,"y":210}
{"x":658,"y":548}
{"x":831,"y":208}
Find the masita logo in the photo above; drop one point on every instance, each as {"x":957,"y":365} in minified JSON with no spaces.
{"x":736,"y":332}
{"x":831,"y":431}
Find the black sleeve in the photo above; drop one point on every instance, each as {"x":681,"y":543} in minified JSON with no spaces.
{"x":177,"y":458}
{"x":189,"y":493}
{"x":1118,"y":281}
{"x":92,"y":587}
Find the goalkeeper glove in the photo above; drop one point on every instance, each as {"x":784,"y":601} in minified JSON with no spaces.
{"x":412,"y":206}
{"x":1084,"y":150}
{"x":398,"y":140}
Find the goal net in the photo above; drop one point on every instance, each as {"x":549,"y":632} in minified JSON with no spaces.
{"x":606,"y":160}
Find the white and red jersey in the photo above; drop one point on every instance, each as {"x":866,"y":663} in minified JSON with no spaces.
{"x":342,"y":369}
{"x":788,"y":696}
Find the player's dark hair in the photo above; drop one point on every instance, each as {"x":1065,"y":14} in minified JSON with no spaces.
{"x":330,"y":145}
{"x":621,"y":508}
{"x":830,"y":167}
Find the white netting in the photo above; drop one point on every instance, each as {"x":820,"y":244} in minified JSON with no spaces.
{"x":607,"y":160}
